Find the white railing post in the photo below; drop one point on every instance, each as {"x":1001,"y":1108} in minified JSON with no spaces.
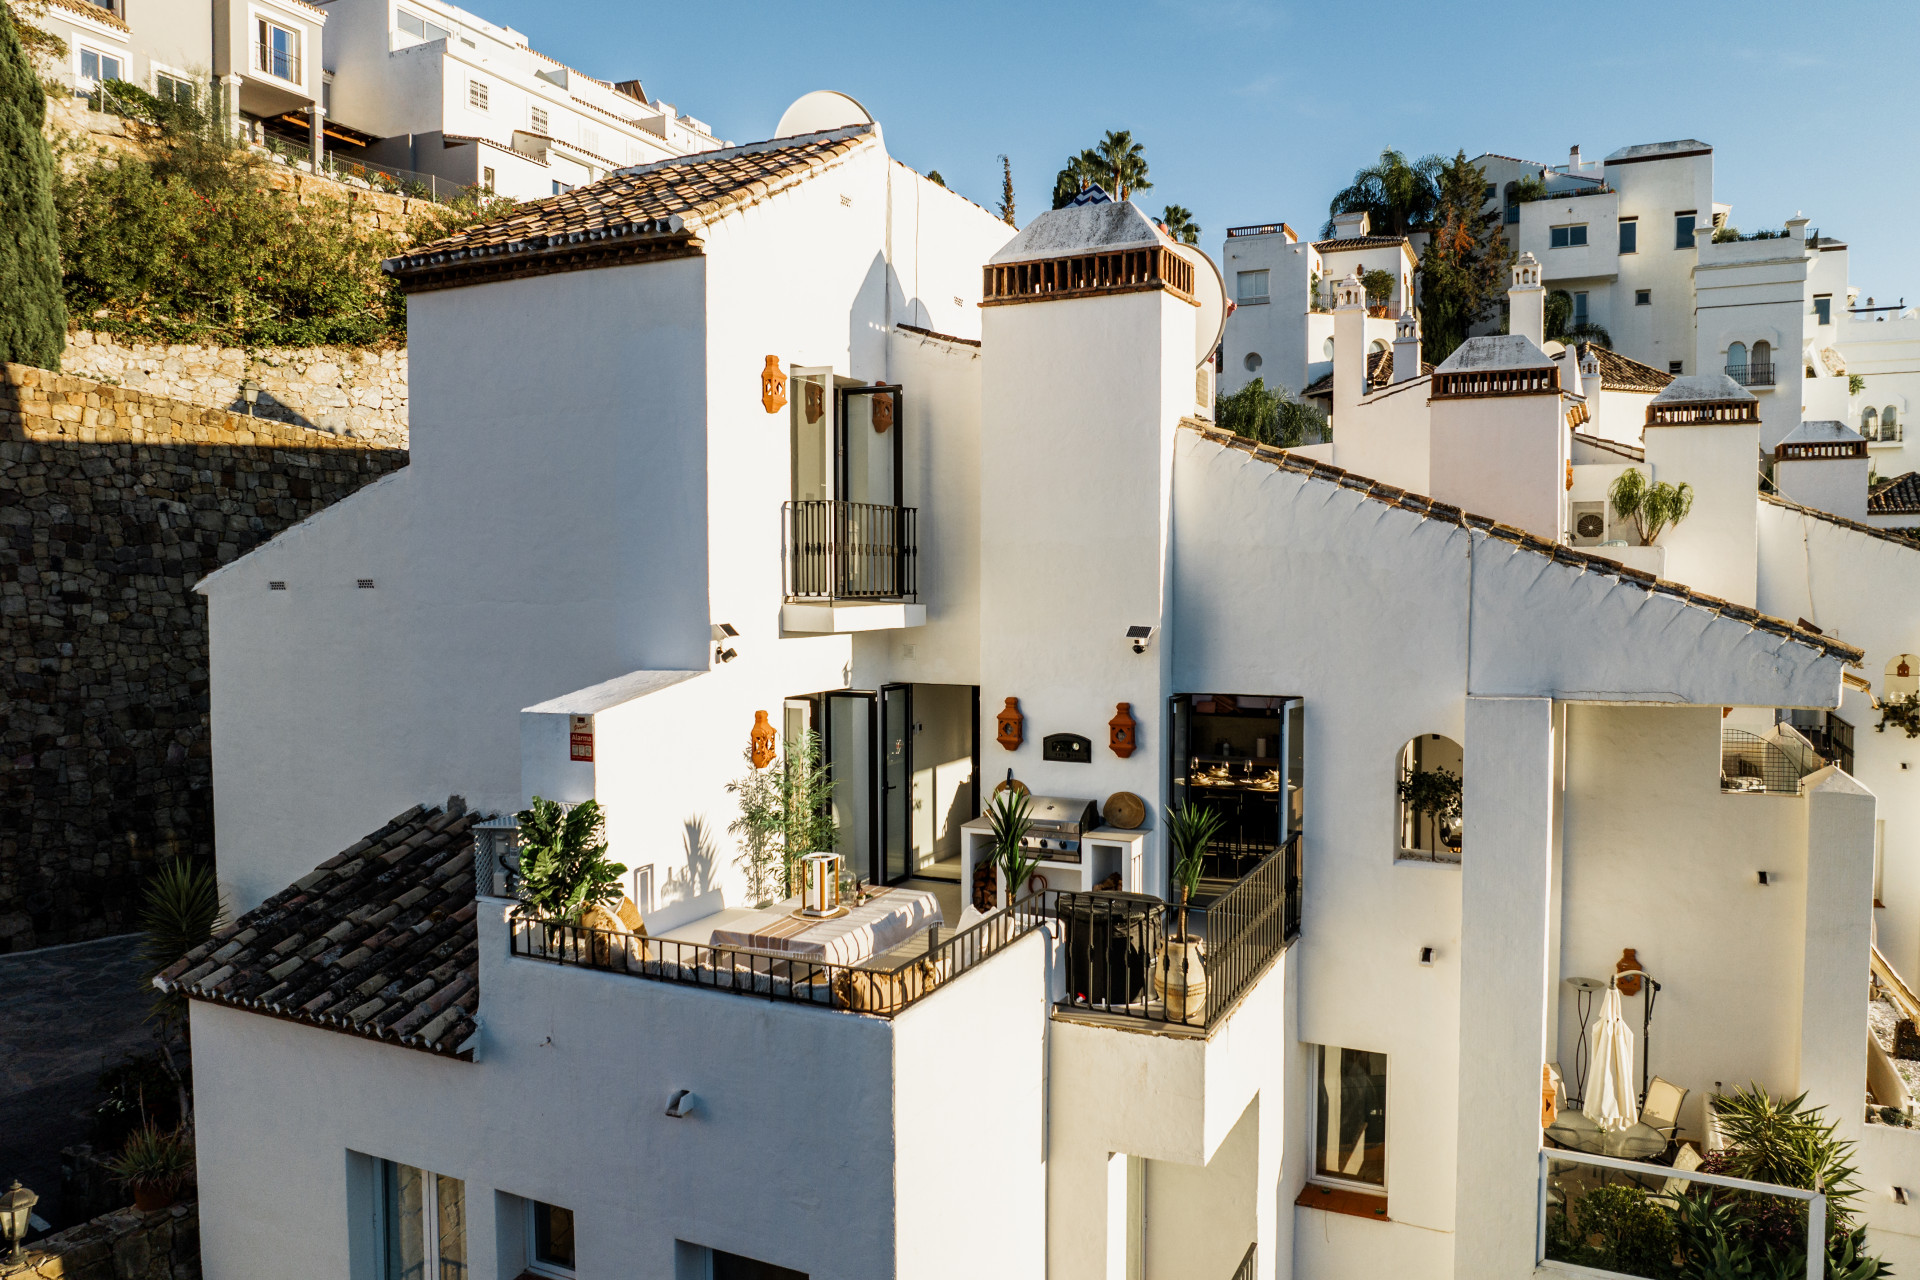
{"x":1817,"y":1237}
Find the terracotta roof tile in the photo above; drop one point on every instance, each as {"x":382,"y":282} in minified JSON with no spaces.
{"x":1433,"y":510}
{"x":1896,"y":497}
{"x":1359,"y":242}
{"x":1379,"y":374}
{"x":106,"y":17}
{"x":1618,"y":373}
{"x":1904,"y":537}
{"x":667,"y":201}
{"x":382,"y":946}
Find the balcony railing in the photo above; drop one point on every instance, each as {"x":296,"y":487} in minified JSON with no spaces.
{"x":851,"y":551}
{"x":278,"y":63}
{"x":1594,"y":1244}
{"x":881,"y":992}
{"x":1749,"y":762}
{"x":1248,"y":1267}
{"x":1752,"y":375}
{"x":1125,"y":957}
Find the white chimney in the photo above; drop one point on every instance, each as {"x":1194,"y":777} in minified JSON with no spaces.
{"x":1348,"y":226}
{"x":1573,"y":159}
{"x":1823,"y":465}
{"x":1406,"y":346}
{"x":1349,"y":343}
{"x":1527,"y":301}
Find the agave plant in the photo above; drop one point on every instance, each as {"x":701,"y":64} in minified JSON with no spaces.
{"x":155,"y":1162}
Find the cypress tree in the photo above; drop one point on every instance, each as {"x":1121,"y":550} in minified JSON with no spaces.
{"x":33,"y":315}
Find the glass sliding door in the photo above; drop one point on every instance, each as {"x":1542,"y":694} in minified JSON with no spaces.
{"x":851,"y":731}
{"x":896,"y":783}
{"x":871,"y":536}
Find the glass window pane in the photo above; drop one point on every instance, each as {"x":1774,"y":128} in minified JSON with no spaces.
{"x":552,"y":1235}
{"x":90,"y":64}
{"x":411,"y":24}
{"x":1351,"y":1116}
{"x":810,"y":409}
{"x":1629,"y":237}
{"x":450,"y":1217}
{"x":1683,"y":231}
{"x":406,"y":1247}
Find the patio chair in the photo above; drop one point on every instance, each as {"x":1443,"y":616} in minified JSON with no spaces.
{"x":1660,"y":1111}
{"x":1686,"y":1160}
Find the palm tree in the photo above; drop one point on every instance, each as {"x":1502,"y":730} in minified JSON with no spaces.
{"x":1180,"y":224}
{"x":1397,"y":195}
{"x":1124,"y":163}
{"x":1080,"y":171}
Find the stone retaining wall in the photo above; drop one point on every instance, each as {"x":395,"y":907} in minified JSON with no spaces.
{"x":356,"y":393}
{"x":113,"y":503}
{"x":125,"y":1245}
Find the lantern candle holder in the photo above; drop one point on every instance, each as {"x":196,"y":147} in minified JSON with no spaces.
{"x":820,"y":885}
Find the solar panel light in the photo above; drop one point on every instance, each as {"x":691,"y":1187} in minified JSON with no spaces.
{"x":723,"y":632}
{"x":1138,"y":637}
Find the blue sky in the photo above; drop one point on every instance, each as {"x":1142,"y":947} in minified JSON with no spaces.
{"x":1252,"y":112}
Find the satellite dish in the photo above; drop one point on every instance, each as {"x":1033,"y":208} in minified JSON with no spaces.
{"x":819,"y":111}
{"x":1211,"y":290}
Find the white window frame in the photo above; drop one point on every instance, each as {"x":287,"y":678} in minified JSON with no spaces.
{"x":480,"y":90}
{"x":81,"y":50}
{"x":1265,"y":280}
{"x":1316,"y":1178}
{"x":427,"y":27}
{"x":259,"y":19}
{"x":159,"y":70}
{"x":534,"y":1265}
{"x":539,"y":121}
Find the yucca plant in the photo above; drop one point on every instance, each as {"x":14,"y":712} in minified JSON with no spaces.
{"x":564,"y":868}
{"x":180,"y":909}
{"x":1010,"y":816}
{"x":1191,"y":828}
{"x":1790,"y":1144}
{"x":154,"y":1165}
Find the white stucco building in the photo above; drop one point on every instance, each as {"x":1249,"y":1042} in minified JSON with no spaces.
{"x":450,"y":94}
{"x":802,"y":476}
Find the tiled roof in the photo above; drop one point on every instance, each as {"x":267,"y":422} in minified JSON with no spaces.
{"x":935,"y":333}
{"x":1896,"y":497}
{"x":1379,"y":374}
{"x":1496,"y":351}
{"x":1618,"y":373}
{"x":1631,"y":453}
{"x":1359,"y":242}
{"x":1659,"y":151}
{"x":1703,"y":388}
{"x":649,"y":210}
{"x":378,"y":941}
{"x":105,"y":17}
{"x":1904,"y":537}
{"x":1431,"y":509}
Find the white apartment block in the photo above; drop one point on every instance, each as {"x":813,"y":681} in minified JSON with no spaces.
{"x":450,"y":94}
{"x":955,"y":511}
{"x":1631,"y":240}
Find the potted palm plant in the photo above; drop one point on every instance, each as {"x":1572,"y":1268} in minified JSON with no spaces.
{"x":1010,"y":815}
{"x":1180,"y":973}
{"x":564,"y":868}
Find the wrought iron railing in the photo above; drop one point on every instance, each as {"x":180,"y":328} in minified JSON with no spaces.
{"x":851,"y":551}
{"x":1249,"y":1264}
{"x":883,"y":991}
{"x":1128,"y":955}
{"x":1749,"y":762}
{"x":1752,"y":374}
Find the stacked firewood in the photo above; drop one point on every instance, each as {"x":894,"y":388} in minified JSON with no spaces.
{"x":985,"y":886}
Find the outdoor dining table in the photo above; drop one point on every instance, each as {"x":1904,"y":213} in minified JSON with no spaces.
{"x":886,"y":919}
{"x":1578,"y":1132}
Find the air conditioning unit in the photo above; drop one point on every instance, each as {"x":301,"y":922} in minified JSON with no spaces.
{"x":1589,"y":523}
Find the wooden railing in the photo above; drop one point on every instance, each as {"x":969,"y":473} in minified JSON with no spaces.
{"x":1081,"y":275}
{"x":1684,"y":414}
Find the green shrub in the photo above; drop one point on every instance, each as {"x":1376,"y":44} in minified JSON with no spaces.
{"x":564,"y":868}
{"x":1614,"y":1228}
{"x":1269,"y":415}
{"x":33,"y":321}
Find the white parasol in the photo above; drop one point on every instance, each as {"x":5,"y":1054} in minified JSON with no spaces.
{"x":1610,"y":1093}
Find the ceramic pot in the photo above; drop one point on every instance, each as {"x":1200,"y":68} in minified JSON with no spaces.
{"x":1180,"y":980}
{"x":152,"y":1199}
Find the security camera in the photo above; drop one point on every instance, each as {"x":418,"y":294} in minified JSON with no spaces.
{"x":1138,"y":637}
{"x":723,"y":632}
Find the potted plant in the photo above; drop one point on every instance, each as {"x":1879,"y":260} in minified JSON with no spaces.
{"x":1010,"y":815}
{"x":1434,"y":794}
{"x":1651,"y":507}
{"x":154,"y":1165}
{"x":1180,"y":972}
{"x":564,"y":868}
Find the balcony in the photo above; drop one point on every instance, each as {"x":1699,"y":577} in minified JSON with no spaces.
{"x":850,"y":566}
{"x":281,"y":64}
{"x":1129,"y":959}
{"x":1752,"y":375}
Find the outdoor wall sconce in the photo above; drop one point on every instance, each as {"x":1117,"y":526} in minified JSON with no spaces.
{"x":773,"y":386}
{"x":882,"y":412}
{"x":1766,"y":878}
{"x":1121,"y":731}
{"x":681,"y":1104}
{"x":760,"y":741}
{"x":1139,"y":637}
{"x":1426,"y":956}
{"x":1899,"y":1194}
{"x":1011,"y":724}
{"x":723,"y":632}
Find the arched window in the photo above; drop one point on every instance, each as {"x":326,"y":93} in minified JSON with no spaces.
{"x":1428,"y":795}
{"x":1902,"y":676}
{"x":1870,"y":423}
{"x":1890,"y":423}
{"x":1252,"y":362}
{"x":1377,"y":346}
{"x":1737,"y":361}
{"x":1329,"y":348}
{"x":1760,"y":364}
